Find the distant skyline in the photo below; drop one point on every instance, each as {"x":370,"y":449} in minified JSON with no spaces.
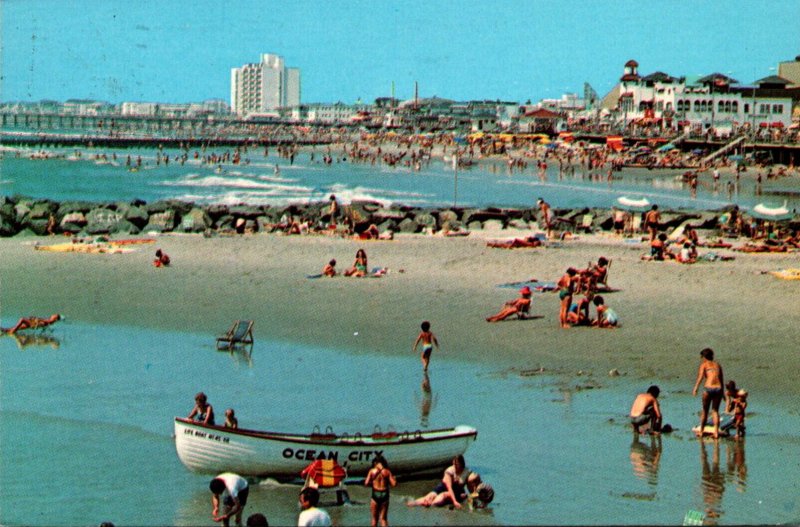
{"x":180,"y":51}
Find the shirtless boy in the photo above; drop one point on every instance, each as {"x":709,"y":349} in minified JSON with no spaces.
{"x":645,"y":409}
{"x":428,"y":340}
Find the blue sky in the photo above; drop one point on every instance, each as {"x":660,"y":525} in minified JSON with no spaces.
{"x":182,"y":51}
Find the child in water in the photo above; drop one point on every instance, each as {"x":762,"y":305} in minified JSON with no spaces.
{"x":230,"y":419}
{"x":428,"y":340}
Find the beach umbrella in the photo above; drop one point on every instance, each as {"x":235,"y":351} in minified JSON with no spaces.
{"x":765,"y":212}
{"x":324,"y":472}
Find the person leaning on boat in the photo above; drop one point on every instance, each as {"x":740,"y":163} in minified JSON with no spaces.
{"x":202,"y":411}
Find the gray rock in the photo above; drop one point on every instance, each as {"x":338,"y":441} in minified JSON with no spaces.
{"x":124,"y":226}
{"x":196,"y":220}
{"x":101,"y":220}
{"x":137,"y":215}
{"x":426,"y":220}
{"x":161,"y":222}
{"x":68,"y":207}
{"x":409,"y":225}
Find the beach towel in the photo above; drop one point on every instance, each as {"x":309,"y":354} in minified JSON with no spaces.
{"x":535,"y":285}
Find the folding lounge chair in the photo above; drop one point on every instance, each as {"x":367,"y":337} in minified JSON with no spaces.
{"x":240,"y":335}
{"x":326,"y":475}
{"x":586,"y":223}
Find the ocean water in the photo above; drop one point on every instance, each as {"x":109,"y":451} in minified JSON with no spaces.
{"x":85,"y":178}
{"x":86,"y":434}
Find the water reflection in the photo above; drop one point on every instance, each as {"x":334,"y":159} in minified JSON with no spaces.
{"x":713,"y":482}
{"x":737,"y":468}
{"x":25,"y":340}
{"x":645,"y":458}
{"x":426,"y":401}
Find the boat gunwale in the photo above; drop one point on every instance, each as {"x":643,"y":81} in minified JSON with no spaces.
{"x":401,"y":438}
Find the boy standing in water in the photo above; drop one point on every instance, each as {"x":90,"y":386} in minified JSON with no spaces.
{"x":428,"y":340}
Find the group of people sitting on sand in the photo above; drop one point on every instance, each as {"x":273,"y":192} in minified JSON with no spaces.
{"x":573,"y":313}
{"x":358,"y":269}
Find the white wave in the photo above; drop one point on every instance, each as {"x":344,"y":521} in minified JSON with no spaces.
{"x":243,"y":183}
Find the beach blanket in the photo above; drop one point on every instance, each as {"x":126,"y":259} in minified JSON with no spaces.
{"x":786,"y":274}
{"x":535,"y":285}
{"x":88,"y":248}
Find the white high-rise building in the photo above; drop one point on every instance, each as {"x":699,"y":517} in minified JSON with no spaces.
{"x":264,"y":87}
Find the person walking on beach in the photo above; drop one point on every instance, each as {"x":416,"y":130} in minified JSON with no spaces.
{"x":202,"y":411}
{"x":312,"y":516}
{"x":428,"y":340}
{"x":380,"y":478}
{"x":231,"y":490}
{"x":544,"y":207}
{"x":709,"y":371}
{"x":645,"y":409}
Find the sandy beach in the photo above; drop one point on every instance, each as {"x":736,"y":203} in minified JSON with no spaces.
{"x":669,"y":311}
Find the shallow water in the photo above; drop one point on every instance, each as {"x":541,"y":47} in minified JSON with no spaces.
{"x":86,"y":434}
{"x":309,"y":180}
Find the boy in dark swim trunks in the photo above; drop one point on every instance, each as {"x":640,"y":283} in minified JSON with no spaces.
{"x":645,"y":409}
{"x":428,"y":340}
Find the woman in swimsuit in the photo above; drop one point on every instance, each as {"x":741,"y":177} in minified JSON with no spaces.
{"x":359,"y":265}
{"x":380,"y":478}
{"x":202,"y":411}
{"x":449,"y":491}
{"x":711,"y":372}
{"x":566,"y":287}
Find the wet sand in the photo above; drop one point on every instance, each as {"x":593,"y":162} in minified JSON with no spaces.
{"x":669,"y":311}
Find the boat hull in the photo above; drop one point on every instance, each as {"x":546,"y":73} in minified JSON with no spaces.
{"x":214,"y":449}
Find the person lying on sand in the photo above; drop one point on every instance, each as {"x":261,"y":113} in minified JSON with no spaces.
{"x":519,"y":306}
{"x":33,"y":323}
{"x":528,"y":241}
{"x":578,"y":314}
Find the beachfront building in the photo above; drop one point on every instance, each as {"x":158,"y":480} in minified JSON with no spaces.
{"x":790,"y":70}
{"x":325,"y":113}
{"x":714,"y":103}
{"x":264,"y":86}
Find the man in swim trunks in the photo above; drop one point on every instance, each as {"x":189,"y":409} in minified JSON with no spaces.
{"x":652,"y":221}
{"x":711,"y":372}
{"x":645,"y":409}
{"x":428,"y":340}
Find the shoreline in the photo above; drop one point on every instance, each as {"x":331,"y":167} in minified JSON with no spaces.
{"x":669,"y":311}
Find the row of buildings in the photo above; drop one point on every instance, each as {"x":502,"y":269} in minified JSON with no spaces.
{"x":269,"y":91}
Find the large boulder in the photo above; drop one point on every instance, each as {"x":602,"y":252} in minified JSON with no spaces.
{"x":42,"y":210}
{"x":425,"y":220}
{"x":137,"y":215}
{"x":8,"y":226}
{"x":246,"y":211}
{"x":102,"y":220}
{"x":68,"y":207}
{"x":196,"y":220}
{"x":161,"y":222}
{"x":73,"y":222}
{"x":123,"y":226}
{"x":409,"y":225}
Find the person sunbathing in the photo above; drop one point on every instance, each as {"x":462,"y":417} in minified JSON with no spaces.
{"x":519,"y":306}
{"x":33,"y":323}
{"x":578,"y":314}
{"x":528,"y":241}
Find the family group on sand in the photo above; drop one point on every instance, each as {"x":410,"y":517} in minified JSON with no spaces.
{"x":572,"y":312}
{"x":646,"y":411}
{"x":359,"y":269}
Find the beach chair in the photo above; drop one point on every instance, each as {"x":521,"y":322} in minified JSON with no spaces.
{"x":239,"y":335}
{"x":326,"y":475}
